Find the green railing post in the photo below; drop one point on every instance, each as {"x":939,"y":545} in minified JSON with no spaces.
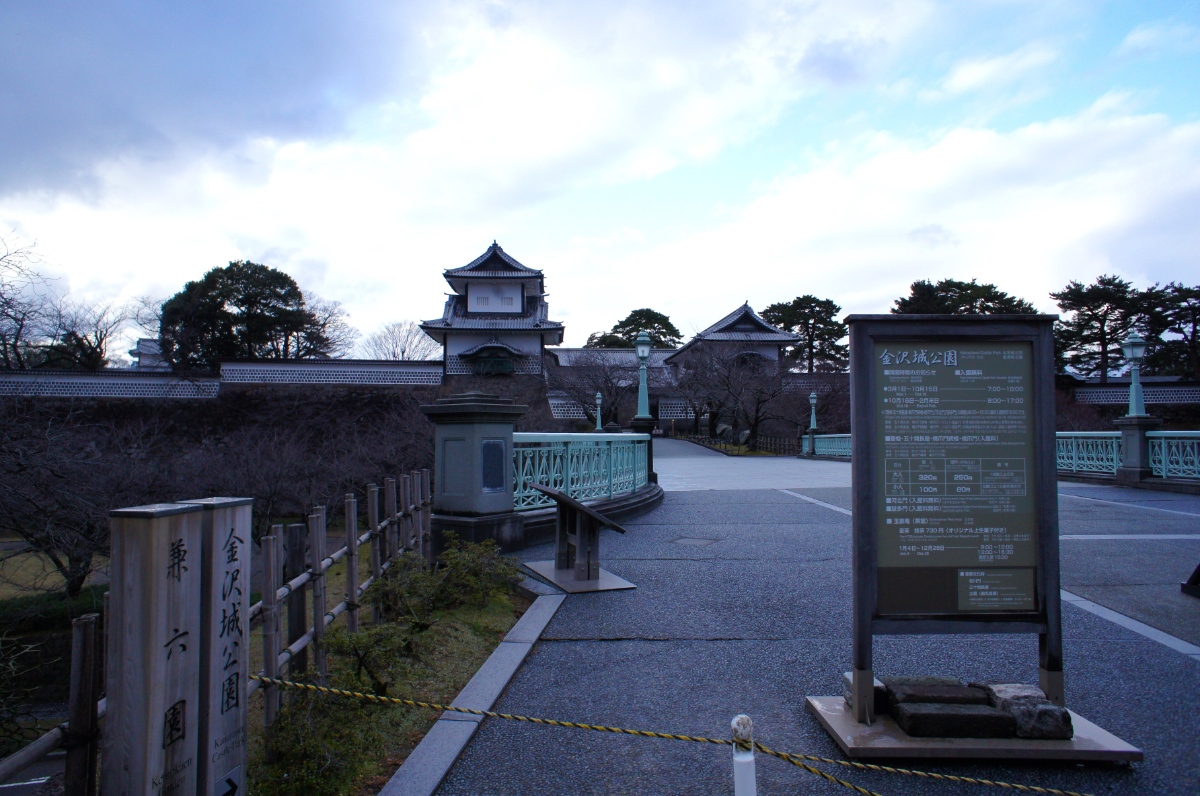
{"x":612,"y":465}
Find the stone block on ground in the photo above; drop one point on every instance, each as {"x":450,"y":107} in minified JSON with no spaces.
{"x":941,"y":694}
{"x":1035,"y":715}
{"x":933,"y":720}
{"x":1001,"y":695}
{"x":920,"y":680}
{"x":1042,"y":721}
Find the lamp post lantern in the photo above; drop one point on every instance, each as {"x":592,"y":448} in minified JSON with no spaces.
{"x":1134,"y":349}
{"x":642,"y":346}
{"x":812,"y":417}
{"x":599,"y":400}
{"x":1135,"y":445}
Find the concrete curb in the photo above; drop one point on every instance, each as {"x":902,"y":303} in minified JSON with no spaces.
{"x":429,"y":763}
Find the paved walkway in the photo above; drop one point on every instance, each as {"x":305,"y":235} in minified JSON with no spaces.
{"x":743,"y":605}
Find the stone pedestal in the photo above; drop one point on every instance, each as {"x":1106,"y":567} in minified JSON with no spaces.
{"x":473,"y":469}
{"x":1135,"y":457}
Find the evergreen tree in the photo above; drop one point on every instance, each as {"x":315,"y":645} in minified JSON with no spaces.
{"x":1101,"y":316}
{"x":815,"y":321}
{"x":1171,"y":324}
{"x":662,"y":332}
{"x":248,"y":311}
{"x":952,"y":297}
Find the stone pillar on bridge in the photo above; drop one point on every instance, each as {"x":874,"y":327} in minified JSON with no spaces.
{"x":473,"y":469}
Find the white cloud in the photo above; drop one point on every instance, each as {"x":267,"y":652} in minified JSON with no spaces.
{"x":1028,"y":210}
{"x":1155,"y":38}
{"x":979,"y":74}
{"x":518,"y":107}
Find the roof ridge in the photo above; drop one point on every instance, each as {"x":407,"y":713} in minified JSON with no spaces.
{"x":493,"y":251}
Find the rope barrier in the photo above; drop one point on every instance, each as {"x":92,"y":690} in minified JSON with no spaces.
{"x":788,"y":757}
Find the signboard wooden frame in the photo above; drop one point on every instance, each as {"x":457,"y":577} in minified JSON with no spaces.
{"x":869,"y":336}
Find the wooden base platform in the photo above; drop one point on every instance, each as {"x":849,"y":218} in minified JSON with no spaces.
{"x":883,"y":739}
{"x":565,"y":579}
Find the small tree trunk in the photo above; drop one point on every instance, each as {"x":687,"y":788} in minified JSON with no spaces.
{"x":79,"y":566}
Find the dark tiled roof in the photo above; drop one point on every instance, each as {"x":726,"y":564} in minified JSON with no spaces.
{"x":457,"y":317}
{"x":744,"y":324}
{"x":494,"y":263}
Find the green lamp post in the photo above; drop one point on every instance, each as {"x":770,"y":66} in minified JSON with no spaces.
{"x":1135,"y":445}
{"x":1134,"y":349}
{"x":599,"y":400}
{"x":642,"y":346}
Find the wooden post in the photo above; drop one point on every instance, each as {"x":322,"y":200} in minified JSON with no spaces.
{"x":376,"y":547}
{"x":80,"y":778}
{"x":389,"y":507}
{"x":351,"y":563}
{"x":317,"y":537}
{"x":297,"y":605}
{"x":407,"y":515}
{"x":106,"y":626}
{"x":151,"y":726}
{"x":270,"y":620}
{"x":427,"y":516}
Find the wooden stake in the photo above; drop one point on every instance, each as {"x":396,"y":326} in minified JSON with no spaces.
{"x":270,"y":621}
{"x":389,"y":499}
{"x":297,"y":605}
{"x":80,"y":778}
{"x":316,"y":523}
{"x":351,"y":563}
{"x":376,"y":546}
{"x":427,"y":517}
{"x":407,"y":519}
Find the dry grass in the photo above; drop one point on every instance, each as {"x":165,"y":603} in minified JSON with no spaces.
{"x":30,"y":573}
{"x":378,"y":739}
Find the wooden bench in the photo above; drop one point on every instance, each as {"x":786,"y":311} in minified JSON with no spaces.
{"x":576,"y":564}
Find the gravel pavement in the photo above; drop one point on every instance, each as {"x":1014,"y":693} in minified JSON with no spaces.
{"x":743,"y":606}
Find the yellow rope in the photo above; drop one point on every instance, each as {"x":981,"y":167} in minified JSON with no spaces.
{"x":787,"y":757}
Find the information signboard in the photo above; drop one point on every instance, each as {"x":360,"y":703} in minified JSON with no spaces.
{"x":955,"y":504}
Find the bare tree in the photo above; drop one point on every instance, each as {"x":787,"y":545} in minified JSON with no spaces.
{"x":80,"y":334}
{"x":25,"y":306}
{"x":60,"y":475}
{"x":327,"y":332}
{"x":401,"y":340}
{"x":43,"y":328}
{"x":611,"y":372}
{"x":146,"y":314}
{"x":742,"y":387}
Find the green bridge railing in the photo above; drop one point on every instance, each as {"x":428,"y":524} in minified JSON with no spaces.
{"x":1173,"y":454}
{"x":585,"y":466}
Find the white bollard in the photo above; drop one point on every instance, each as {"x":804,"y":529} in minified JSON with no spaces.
{"x":743,"y":759}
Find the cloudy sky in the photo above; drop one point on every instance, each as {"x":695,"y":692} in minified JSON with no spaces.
{"x":685,"y":156}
